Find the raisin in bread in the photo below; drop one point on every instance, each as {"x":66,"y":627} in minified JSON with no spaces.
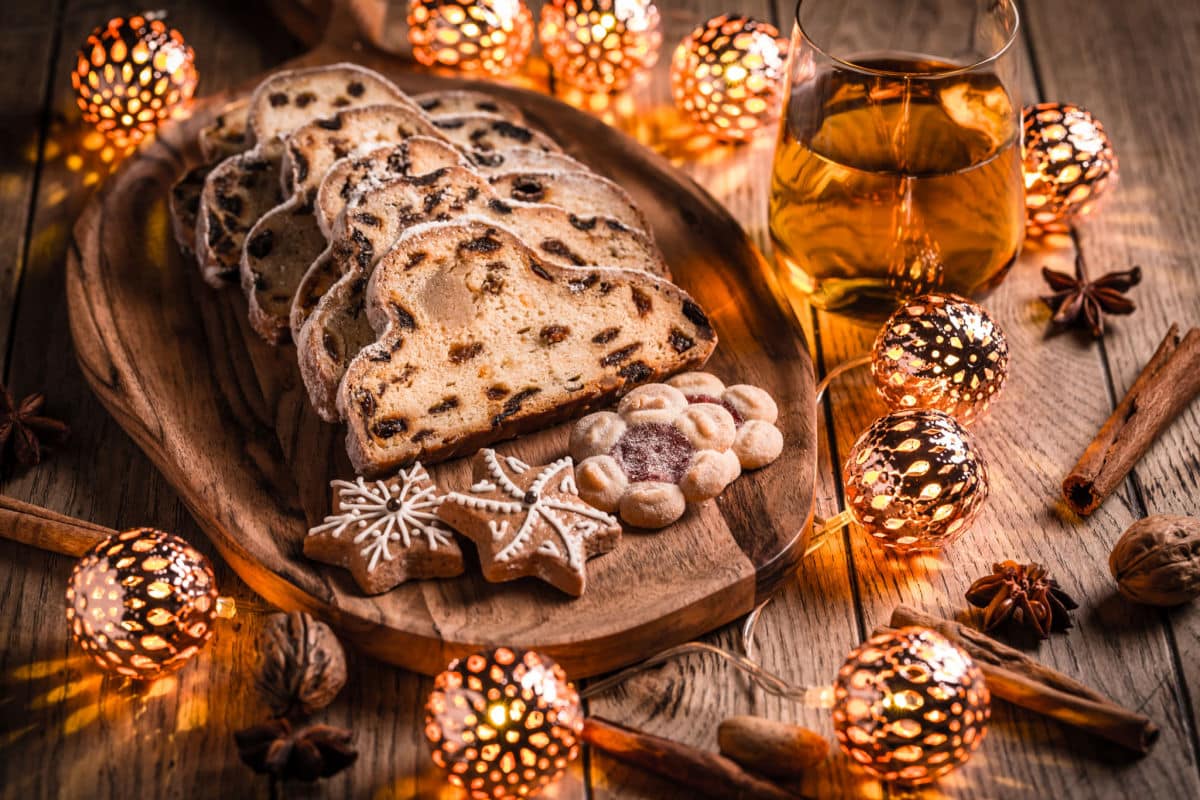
{"x":236,"y":193}
{"x":481,"y":339}
{"x":463,"y":101}
{"x":281,"y":103}
{"x":334,"y":330}
{"x":225,"y":136}
{"x":286,"y":240}
{"x":483,"y":135}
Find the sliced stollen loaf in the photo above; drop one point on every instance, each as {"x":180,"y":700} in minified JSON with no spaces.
{"x":421,"y":155}
{"x":286,"y":240}
{"x":225,"y":136}
{"x":583,"y":193}
{"x":481,"y":339}
{"x":281,"y":103}
{"x":464,"y":101}
{"x":485,"y":134}
{"x":334,"y":331}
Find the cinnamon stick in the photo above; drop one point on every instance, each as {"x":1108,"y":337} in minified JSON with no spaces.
{"x":48,"y":530}
{"x":1022,"y":681}
{"x":699,"y":770}
{"x":1165,"y":387}
{"x":769,"y":747}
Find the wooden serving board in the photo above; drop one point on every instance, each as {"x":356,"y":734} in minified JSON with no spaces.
{"x":226,"y":419}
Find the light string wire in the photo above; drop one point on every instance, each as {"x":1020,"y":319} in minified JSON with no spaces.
{"x":769,"y":682}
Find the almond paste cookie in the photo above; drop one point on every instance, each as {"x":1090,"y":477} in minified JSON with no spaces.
{"x":386,"y":532}
{"x":758,"y":441}
{"x":653,"y":455}
{"x":529,"y":520}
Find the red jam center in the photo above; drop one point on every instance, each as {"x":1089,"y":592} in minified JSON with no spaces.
{"x":708,"y":398}
{"x":653,"y":451}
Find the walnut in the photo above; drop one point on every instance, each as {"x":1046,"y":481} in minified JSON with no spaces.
{"x":301,"y":666}
{"x":1157,"y":560}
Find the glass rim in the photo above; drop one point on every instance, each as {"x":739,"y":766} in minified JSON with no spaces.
{"x":933,"y":73}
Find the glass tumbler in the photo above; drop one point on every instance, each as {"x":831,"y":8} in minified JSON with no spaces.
{"x":898,"y":165}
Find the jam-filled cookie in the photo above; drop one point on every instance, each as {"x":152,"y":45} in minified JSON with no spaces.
{"x":653,"y":455}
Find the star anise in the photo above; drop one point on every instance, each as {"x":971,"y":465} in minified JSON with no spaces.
{"x":22,"y":425}
{"x":284,"y":752}
{"x":1024,"y":596}
{"x":1078,"y":300}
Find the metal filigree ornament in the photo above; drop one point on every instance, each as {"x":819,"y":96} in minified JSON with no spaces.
{"x":942,"y":352}
{"x":600,"y":45}
{"x":490,"y":36}
{"x":131,"y":75}
{"x":1069,"y":163}
{"x":910,"y":706}
{"x":503,"y":723}
{"x":142,"y":602}
{"x":915,"y":480}
{"x":728,"y":75}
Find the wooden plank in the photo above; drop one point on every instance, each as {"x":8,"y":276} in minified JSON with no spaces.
{"x":1151,"y":114}
{"x":1030,"y":443}
{"x":69,"y":731}
{"x":22,"y":128}
{"x":687,"y":699}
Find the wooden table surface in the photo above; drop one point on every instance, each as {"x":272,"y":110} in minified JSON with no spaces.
{"x":67,"y":731}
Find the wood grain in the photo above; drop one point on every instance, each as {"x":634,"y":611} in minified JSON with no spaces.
{"x":1057,"y":386}
{"x":257,"y":498}
{"x":66,"y":733}
{"x":1152,"y":114}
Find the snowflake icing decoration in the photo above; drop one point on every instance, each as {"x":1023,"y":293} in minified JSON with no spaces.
{"x":382,"y":512}
{"x":573,"y":530}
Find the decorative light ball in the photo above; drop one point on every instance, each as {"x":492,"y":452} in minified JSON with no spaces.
{"x":492,"y":36}
{"x":728,"y":74}
{"x":131,"y":75}
{"x":503,"y":723}
{"x":910,"y":706}
{"x":1069,"y":162}
{"x":915,"y":480}
{"x":600,"y":45}
{"x":142,"y":602}
{"x":940,"y":351}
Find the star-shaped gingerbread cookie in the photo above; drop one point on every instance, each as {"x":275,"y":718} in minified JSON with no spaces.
{"x":386,"y":532}
{"x":529,"y":520}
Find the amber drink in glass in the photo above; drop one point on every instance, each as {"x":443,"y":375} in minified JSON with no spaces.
{"x":898,"y":165}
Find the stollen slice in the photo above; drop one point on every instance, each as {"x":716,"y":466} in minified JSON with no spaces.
{"x":485,"y":135}
{"x":481,"y":339}
{"x":184,"y":205}
{"x":466,"y":101}
{"x":236,"y":193}
{"x":225,"y":136}
{"x":291,"y":98}
{"x":335,"y":330}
